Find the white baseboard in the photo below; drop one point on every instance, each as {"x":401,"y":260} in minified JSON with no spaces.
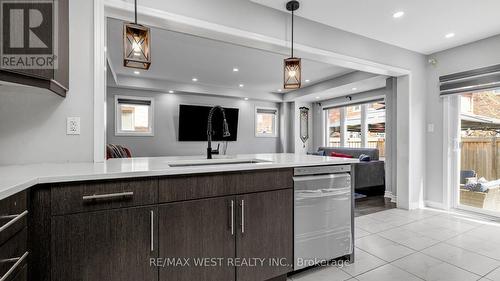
{"x":388,"y":194}
{"x":435,"y":205}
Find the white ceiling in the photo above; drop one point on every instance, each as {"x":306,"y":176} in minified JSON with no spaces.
{"x":177,"y":58}
{"x":421,"y":29}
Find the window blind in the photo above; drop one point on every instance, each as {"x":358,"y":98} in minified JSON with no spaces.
{"x":267,"y":111}
{"x":470,"y":81}
{"x":134,"y":101}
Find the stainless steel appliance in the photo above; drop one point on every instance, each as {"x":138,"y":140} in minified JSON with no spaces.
{"x":323,"y":214}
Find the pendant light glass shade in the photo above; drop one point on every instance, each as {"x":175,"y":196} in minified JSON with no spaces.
{"x":136,"y":46}
{"x":292,"y":73}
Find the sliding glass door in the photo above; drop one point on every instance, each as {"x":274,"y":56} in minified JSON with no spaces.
{"x":479,"y":158}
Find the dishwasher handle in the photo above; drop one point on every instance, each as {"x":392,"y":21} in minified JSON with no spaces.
{"x":306,"y":194}
{"x":320,"y":177}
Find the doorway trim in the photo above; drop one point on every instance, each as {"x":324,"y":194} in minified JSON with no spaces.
{"x":193,"y":26}
{"x":451,"y":150}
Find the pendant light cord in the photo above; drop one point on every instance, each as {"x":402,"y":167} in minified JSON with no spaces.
{"x":292,"y":32}
{"x":135,"y":11}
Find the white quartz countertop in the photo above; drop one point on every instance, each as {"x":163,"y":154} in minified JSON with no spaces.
{"x":16,"y":178}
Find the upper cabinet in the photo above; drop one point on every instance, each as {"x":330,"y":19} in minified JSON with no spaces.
{"x":35,"y":45}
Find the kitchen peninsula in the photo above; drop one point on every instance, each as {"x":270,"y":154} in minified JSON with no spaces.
{"x":117,"y":220}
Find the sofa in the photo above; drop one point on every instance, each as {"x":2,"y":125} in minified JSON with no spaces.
{"x":366,"y":174}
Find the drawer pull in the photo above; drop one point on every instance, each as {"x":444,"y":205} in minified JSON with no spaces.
{"x":14,"y":219}
{"x":19,"y":261}
{"x":108,"y":196}
{"x":242,"y":216}
{"x":152,"y":231}
{"x":232,"y":217}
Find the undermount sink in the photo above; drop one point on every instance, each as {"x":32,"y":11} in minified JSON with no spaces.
{"x":213,"y":162}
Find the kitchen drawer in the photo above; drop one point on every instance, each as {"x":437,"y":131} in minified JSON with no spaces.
{"x":13,"y":215}
{"x":101,"y":195}
{"x":182,"y":188}
{"x":13,"y":256}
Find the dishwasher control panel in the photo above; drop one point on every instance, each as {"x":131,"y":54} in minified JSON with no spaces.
{"x":319,"y":170}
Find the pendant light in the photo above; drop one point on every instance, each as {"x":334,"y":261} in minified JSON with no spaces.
{"x":136,"y":44}
{"x":292,"y":65}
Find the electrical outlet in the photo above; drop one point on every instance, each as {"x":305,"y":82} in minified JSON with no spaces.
{"x":430,"y":128}
{"x":73,"y":126}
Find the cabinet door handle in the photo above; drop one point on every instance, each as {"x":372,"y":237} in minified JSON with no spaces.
{"x":108,"y":196}
{"x":232,"y":217}
{"x":242,"y":216}
{"x":19,"y":261}
{"x":14,"y":219}
{"x":152,"y":231}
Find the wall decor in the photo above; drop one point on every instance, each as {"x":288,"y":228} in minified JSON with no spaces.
{"x":304,"y":124}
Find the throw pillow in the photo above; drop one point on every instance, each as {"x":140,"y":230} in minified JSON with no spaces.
{"x":341,"y":155}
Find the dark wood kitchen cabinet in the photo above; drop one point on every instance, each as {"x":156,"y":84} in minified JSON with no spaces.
{"x":111,"y":245}
{"x":13,"y":237}
{"x":195,"y":230}
{"x":234,"y":230}
{"x":265,"y":228}
{"x":126,"y":229}
{"x":54,"y":79}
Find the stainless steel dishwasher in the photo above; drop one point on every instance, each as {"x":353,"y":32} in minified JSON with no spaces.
{"x":323,"y":214}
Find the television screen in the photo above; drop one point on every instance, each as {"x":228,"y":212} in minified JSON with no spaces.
{"x":193,"y":123}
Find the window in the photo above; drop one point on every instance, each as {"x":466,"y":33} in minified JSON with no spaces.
{"x":466,"y":103}
{"x":371,"y":114}
{"x":376,"y":126}
{"x":333,"y":127}
{"x":134,"y":116}
{"x":266,"y":122}
{"x":353,"y":122}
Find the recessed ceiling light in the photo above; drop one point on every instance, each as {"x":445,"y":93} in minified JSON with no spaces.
{"x":449,"y":35}
{"x":241,"y":85}
{"x":170,"y":92}
{"x":307,"y":80}
{"x":354,"y":89}
{"x":279,"y":90}
{"x":235,"y":69}
{"x":246,"y":99}
{"x":317,"y":98}
{"x":137,"y":72}
{"x":194,"y":79}
{"x":398,"y":14}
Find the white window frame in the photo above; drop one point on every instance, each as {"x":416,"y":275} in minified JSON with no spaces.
{"x":118,"y":119}
{"x":276,"y":123}
{"x":356,"y":107}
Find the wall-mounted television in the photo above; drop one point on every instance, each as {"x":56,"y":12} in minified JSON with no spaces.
{"x":193,"y":123}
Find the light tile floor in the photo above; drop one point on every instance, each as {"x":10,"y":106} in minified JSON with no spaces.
{"x":399,"y":245}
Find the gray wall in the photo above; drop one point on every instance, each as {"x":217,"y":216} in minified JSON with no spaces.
{"x":33,"y":121}
{"x":166,"y":121}
{"x":471,"y":56}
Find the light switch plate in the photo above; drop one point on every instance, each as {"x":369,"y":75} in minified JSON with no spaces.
{"x":73,"y":126}
{"x":430,"y":127}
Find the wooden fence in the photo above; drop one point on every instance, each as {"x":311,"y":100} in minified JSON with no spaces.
{"x":481,"y":155}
